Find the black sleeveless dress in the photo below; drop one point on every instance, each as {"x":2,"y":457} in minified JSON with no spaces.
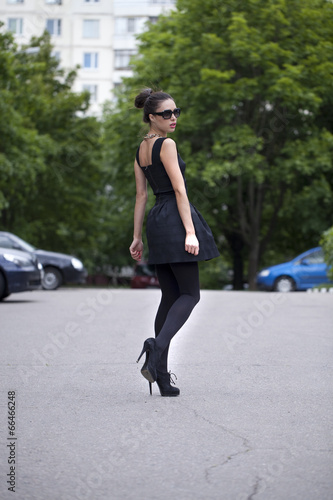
{"x":165,"y":229}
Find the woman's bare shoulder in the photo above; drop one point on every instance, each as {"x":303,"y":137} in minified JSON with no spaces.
{"x":169,"y":145}
{"x":168,"y":140}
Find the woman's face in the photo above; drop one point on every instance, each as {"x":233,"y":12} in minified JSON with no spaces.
{"x":161,"y":124}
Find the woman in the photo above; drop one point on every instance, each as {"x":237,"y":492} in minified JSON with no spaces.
{"x":178,"y":236}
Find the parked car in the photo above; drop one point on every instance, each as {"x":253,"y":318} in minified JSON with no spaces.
{"x":144,"y":276}
{"x":59,"y":268}
{"x":19,"y":272}
{"x":304,"y":271}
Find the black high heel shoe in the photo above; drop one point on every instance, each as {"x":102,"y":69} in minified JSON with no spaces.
{"x":149,"y":368}
{"x":164,"y":381}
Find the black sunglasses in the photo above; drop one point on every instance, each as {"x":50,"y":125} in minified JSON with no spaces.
{"x":167,"y":113}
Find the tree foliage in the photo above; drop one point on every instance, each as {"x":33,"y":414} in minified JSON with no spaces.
{"x":52,"y":187}
{"x":254,"y":81}
{"x":327,"y":244}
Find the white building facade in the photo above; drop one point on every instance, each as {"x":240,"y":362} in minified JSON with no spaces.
{"x":130,"y":18}
{"x":97,"y":35}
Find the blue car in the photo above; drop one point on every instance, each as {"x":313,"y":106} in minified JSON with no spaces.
{"x":305,"y":271}
{"x":19,"y":272}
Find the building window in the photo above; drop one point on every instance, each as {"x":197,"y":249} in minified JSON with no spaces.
{"x":92,"y":89}
{"x":15,"y":1}
{"x":90,"y":60}
{"x":53,"y":26}
{"x":90,"y":28}
{"x":58,"y":2}
{"x":91,"y":1}
{"x":15,"y":26}
{"x":153,"y":19}
{"x":124,"y":25}
{"x":122,"y":58}
{"x":57,"y":55}
{"x":131,"y":24}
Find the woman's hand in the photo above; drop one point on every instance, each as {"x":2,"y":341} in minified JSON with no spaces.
{"x":136,"y":249}
{"x":192,"y":244}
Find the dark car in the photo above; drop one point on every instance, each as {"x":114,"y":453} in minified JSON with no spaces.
{"x":59,"y":268}
{"x":144,"y":276}
{"x":304,"y":271}
{"x":19,"y":272}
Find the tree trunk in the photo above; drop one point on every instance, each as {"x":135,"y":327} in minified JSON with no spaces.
{"x":238,"y":266}
{"x":253,"y":264}
{"x":236,"y":244}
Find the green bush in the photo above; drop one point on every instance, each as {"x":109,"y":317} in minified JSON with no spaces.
{"x":327,"y":244}
{"x":214,"y":274}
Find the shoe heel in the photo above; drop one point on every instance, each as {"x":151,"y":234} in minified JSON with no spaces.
{"x":150,"y":388}
{"x":148,"y":370}
{"x":143,"y":350}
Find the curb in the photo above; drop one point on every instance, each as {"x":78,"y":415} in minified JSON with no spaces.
{"x":320,"y":290}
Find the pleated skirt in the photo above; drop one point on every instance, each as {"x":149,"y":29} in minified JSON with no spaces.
{"x":166,"y":234}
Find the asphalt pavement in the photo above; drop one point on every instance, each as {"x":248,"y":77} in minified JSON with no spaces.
{"x":253,"y":420}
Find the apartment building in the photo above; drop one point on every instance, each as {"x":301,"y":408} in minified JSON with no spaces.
{"x":97,"y":35}
{"x":130,"y":18}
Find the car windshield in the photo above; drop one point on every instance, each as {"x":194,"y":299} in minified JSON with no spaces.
{"x":316,"y":257}
{"x":24,"y":245}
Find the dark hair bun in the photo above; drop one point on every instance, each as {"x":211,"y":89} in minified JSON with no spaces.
{"x":150,"y":101}
{"x":142,"y":97}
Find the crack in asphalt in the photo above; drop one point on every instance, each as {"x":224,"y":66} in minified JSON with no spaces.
{"x":255,"y":488}
{"x":245,"y":442}
{"x":225,"y":429}
{"x":230,"y":457}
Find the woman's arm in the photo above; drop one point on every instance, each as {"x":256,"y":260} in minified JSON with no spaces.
{"x":136,"y":247}
{"x":169,"y":158}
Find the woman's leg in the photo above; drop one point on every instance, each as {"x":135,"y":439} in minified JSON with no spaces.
{"x":185,"y":277}
{"x":170,"y":293}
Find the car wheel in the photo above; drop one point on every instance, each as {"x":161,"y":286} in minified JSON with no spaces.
{"x":52,"y":278}
{"x":284,"y":284}
{"x":2,"y":287}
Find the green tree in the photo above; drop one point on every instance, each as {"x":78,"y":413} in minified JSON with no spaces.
{"x":254,"y":80}
{"x":22,"y":149}
{"x":52,"y":189}
{"x":327,"y":244}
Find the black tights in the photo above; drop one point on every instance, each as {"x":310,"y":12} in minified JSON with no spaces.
{"x":180,"y":293}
